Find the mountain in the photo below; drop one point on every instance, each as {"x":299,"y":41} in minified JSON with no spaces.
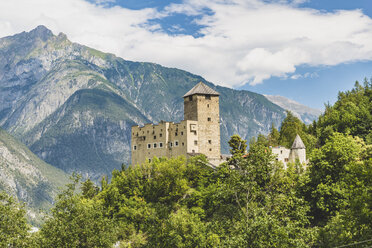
{"x":304,"y":113}
{"x":28,"y":178}
{"x":74,"y":106}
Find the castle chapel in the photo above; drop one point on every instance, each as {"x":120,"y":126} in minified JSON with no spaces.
{"x":198,"y":133}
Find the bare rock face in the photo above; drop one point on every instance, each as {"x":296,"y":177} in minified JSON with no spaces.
{"x":74,"y":106}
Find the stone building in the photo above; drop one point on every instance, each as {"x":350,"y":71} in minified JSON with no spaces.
{"x":297,"y":151}
{"x":198,"y":133}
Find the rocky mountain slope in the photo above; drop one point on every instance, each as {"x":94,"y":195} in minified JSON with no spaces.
{"x":28,"y":178}
{"x":304,"y":113}
{"x":74,"y":106}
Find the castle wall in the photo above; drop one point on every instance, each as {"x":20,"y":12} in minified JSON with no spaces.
{"x":166,"y":139}
{"x":282,"y":154}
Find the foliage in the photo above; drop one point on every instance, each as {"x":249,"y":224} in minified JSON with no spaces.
{"x":13,"y":224}
{"x":351,"y":114}
{"x":77,"y":222}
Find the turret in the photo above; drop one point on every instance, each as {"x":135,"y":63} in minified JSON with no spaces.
{"x":298,"y":151}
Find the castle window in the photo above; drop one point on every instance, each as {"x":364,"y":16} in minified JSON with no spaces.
{"x":170,"y":144}
{"x":134,"y":147}
{"x":281,"y":151}
{"x":286,"y":160}
{"x":181,"y":133}
{"x":148,"y":146}
{"x":155,"y":137}
{"x":210,"y":149}
{"x":160,"y":135}
{"x":195,"y":142}
{"x":155,"y":145}
{"x":149,"y":160}
{"x":193,"y":151}
{"x":176,"y":134}
{"x":190,"y":98}
{"x":176,"y":143}
{"x":209,"y":119}
{"x":210,"y":141}
{"x":183,"y":144}
{"x":208,"y":97}
{"x":207,"y":105}
{"x":160,"y":144}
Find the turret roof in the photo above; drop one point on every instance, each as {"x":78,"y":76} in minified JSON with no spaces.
{"x":201,"y":89}
{"x":297,"y":143}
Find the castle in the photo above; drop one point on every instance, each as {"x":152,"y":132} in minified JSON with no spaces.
{"x":198,"y":133}
{"x":297,"y":151}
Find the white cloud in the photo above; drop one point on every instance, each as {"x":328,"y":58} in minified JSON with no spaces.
{"x":242,"y":40}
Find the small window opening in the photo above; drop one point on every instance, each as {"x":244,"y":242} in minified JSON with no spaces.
{"x":209,"y":119}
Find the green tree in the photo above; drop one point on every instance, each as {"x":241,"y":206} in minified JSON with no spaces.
{"x":351,"y":114}
{"x":13,"y":224}
{"x":274,"y":136}
{"x":77,"y":222}
{"x":238,"y":145}
{"x":291,"y":126}
{"x":89,"y":189}
{"x":327,"y":189}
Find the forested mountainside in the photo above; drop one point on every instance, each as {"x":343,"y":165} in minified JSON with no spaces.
{"x":28,"y":178}
{"x":74,"y":106}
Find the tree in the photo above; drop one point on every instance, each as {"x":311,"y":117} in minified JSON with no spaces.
{"x":274,"y":136}
{"x":13,"y":224}
{"x":238,"y":145}
{"x":330,"y":166}
{"x":351,"y":114}
{"x":77,"y":222}
{"x":291,"y":126}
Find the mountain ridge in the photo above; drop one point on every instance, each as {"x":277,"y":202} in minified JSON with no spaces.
{"x":303,"y":112}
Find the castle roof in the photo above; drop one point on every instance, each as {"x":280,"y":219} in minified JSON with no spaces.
{"x":297,"y":143}
{"x":201,"y":89}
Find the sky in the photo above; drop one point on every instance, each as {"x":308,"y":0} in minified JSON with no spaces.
{"x":305,"y":50}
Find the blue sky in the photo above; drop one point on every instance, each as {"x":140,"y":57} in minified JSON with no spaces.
{"x":304,"y":50}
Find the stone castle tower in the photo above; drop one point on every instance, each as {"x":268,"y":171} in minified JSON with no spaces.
{"x":201,"y":104}
{"x":199,"y":132}
{"x":298,"y":150}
